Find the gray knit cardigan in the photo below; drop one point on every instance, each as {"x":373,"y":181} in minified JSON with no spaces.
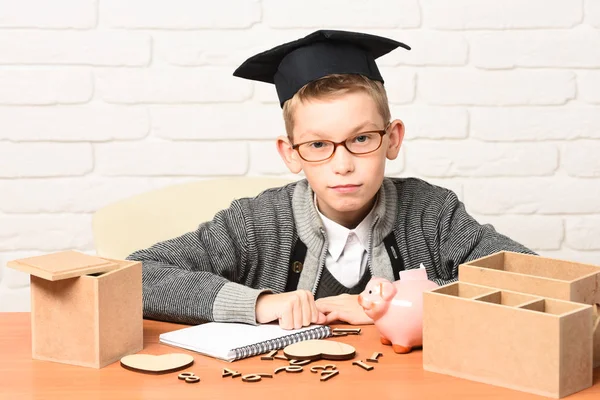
{"x":216,"y":272}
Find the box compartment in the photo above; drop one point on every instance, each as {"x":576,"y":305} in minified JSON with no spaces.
{"x":539,"y":276}
{"x":506,"y":298}
{"x":536,"y":275}
{"x":508,"y":339}
{"x":465,"y":290}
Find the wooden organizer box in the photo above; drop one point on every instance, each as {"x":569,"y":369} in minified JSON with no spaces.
{"x":506,"y":338}
{"x":85,"y":310}
{"x":557,"y":279}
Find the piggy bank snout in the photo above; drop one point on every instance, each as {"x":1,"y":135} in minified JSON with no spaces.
{"x":364,"y":303}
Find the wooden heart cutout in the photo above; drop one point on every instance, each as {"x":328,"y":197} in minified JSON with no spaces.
{"x":151,"y":363}
{"x":319,"y":349}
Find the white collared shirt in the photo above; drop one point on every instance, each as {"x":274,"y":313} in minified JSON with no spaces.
{"x":347,"y":253}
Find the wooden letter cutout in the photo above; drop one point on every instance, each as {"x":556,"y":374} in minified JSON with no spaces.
{"x":325,"y":375}
{"x":374,"y":357}
{"x":362,"y":365}
{"x":228,"y":372}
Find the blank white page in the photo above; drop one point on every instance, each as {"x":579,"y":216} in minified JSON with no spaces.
{"x":217,"y":339}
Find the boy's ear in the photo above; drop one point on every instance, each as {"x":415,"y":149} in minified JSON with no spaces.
{"x":396,"y":135}
{"x":289,"y":156}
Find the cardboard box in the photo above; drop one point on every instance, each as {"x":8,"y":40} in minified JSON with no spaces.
{"x":546,"y":277}
{"x":85,"y":310}
{"x":510,"y":339}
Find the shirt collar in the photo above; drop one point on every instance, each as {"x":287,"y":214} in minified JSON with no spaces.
{"x":337,"y":234}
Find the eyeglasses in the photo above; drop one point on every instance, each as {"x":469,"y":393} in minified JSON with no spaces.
{"x":321,"y":150}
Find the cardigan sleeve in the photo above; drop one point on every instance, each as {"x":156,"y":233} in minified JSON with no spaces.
{"x":463,"y":239}
{"x":198,"y":276}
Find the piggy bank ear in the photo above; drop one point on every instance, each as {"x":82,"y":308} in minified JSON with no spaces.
{"x":387,"y":290}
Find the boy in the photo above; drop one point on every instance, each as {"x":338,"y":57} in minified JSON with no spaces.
{"x":301,"y":253}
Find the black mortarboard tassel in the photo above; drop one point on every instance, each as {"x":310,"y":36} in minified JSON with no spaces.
{"x":292,"y":65}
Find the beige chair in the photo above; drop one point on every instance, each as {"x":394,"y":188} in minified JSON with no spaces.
{"x":143,"y":220}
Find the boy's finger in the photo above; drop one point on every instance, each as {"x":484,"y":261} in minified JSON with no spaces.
{"x":321,"y":319}
{"x":331,"y":317}
{"x":314,"y":313}
{"x":297,"y":314}
{"x":306,"y":312}
{"x":324,"y":306}
{"x":287,"y":317}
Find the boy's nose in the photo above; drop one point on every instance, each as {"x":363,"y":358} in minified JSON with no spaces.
{"x":342,"y":161}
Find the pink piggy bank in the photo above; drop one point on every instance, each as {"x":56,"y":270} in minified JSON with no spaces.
{"x":397,"y":308}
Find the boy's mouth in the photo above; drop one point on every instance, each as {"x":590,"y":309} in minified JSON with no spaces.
{"x":345,"y":188}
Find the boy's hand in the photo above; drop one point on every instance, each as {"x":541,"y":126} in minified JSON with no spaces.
{"x":293,"y":309}
{"x":343,"y":308}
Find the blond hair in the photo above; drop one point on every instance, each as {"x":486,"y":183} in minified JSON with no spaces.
{"x":334,"y":85}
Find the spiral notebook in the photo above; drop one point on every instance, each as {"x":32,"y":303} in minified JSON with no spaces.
{"x":233,"y":341}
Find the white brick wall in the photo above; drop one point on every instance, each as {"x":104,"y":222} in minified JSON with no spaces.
{"x":104,"y":99}
{"x":90,"y":123}
{"x":115,"y":49}
{"x":501,"y":14}
{"x":350,"y":14}
{"x":476,"y":159}
{"x":25,"y":160}
{"x":520,"y":124}
{"x":467,"y":86}
{"x":592,"y":13}
{"x":589,"y":86}
{"x":23,"y":85}
{"x":171,"y":86}
{"x":171,"y":158}
{"x":575,"y":48}
{"x":180,"y":14}
{"x":217,"y":121}
{"x":56,"y":14}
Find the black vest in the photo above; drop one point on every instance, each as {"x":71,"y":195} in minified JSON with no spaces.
{"x":299,"y":254}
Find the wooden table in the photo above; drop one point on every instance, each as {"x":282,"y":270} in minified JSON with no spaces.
{"x":394,"y":377}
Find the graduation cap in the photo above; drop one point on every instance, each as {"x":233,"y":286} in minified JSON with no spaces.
{"x":292,"y":65}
